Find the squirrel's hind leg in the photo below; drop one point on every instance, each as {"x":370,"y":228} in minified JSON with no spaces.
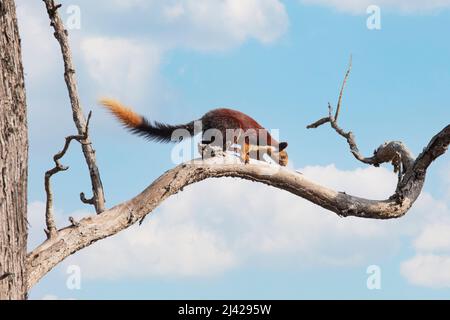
{"x":245,"y":150}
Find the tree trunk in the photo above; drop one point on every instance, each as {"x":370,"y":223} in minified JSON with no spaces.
{"x":13,"y":159}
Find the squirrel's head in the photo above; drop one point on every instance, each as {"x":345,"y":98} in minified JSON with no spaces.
{"x":280,"y":155}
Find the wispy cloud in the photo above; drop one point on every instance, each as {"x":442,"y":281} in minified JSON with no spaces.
{"x":445,"y":173}
{"x":428,"y":270}
{"x":434,"y":237}
{"x":402,"y":6}
{"x":214,"y":24}
{"x":39,"y":48}
{"x":430,"y":266}
{"x":242,"y":222}
{"x":121,"y":67}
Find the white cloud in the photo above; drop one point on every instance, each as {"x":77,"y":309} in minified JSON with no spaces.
{"x":403,"y":6}
{"x":119,"y":65}
{"x":157,"y":249}
{"x":445,"y":174}
{"x":39,"y":48}
{"x":368,"y":182}
{"x":240,"y":222}
{"x":126,"y":4}
{"x":428,"y":270}
{"x":218,"y":225}
{"x":50,"y":297}
{"x":212,"y":24}
{"x":430,"y":266}
{"x":174,"y":11}
{"x":434,"y":237}
{"x":53,"y":297}
{"x":36,"y":221}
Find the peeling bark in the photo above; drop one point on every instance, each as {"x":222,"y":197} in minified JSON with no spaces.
{"x":13,"y":159}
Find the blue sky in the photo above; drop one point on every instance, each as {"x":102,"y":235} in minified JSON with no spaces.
{"x":281,"y":62}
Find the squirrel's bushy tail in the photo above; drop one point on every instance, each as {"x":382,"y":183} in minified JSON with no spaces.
{"x":137,"y":124}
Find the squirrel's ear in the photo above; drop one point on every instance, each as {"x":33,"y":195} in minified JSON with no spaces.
{"x":282,"y":146}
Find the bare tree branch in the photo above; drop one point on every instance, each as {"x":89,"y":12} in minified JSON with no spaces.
{"x":338,"y":108}
{"x":395,"y":151}
{"x":61,"y":34}
{"x":49,"y":216}
{"x":90,"y":229}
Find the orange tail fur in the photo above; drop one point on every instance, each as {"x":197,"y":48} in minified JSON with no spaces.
{"x":125,"y":115}
{"x":137,"y":124}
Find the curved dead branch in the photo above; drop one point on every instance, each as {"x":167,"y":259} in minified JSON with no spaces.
{"x":61,"y":35}
{"x":49,"y":216}
{"x":90,"y":229}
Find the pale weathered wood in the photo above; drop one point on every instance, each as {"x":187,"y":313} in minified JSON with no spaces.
{"x":61,"y":34}
{"x":13,"y":159}
{"x":49,"y":216}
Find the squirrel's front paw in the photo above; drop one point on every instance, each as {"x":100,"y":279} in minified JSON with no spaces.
{"x":246,"y":159}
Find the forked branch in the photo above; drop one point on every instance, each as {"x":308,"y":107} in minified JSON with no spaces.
{"x":338,"y":108}
{"x":61,"y":34}
{"x":51,"y":230}
{"x":395,"y":151}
